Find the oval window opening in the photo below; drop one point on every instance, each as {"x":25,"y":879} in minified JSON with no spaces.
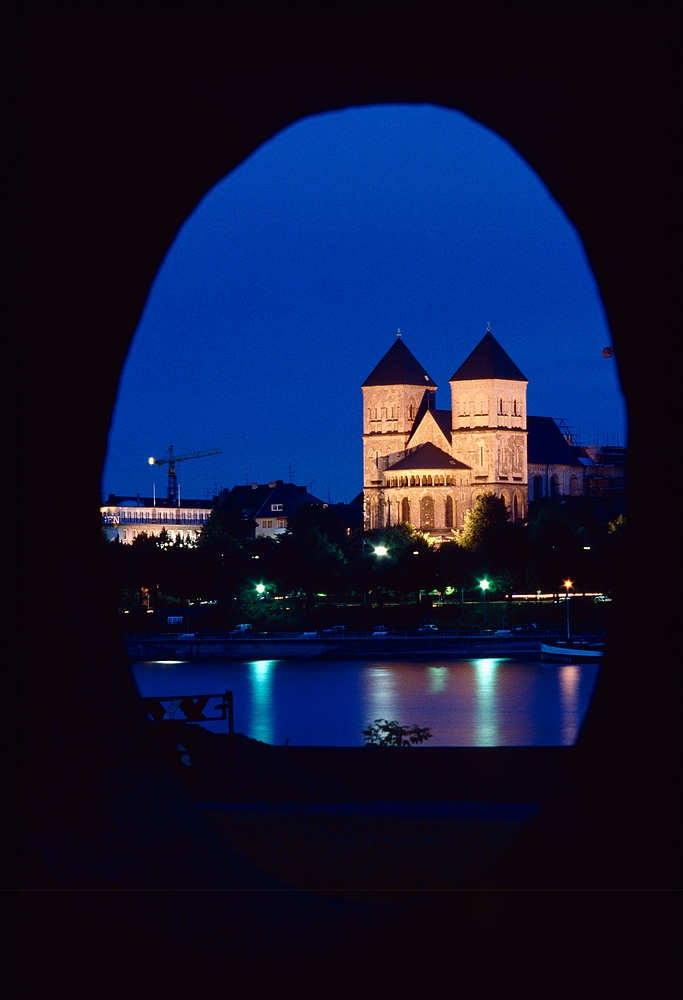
{"x":410,"y":251}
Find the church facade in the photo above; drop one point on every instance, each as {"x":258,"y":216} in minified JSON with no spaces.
{"x":427,"y":467}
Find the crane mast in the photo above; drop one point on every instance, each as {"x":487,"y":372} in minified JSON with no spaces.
{"x":171,"y":460}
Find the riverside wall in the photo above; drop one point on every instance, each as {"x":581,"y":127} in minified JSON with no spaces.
{"x":346,"y":648}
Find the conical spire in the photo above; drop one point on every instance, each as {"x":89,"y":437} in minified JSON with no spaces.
{"x":488,"y":360}
{"x":399,"y":367}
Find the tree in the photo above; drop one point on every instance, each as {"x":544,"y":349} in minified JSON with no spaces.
{"x":310,"y":562}
{"x":391,"y":734}
{"x":484,"y":523}
{"x":319,"y":517}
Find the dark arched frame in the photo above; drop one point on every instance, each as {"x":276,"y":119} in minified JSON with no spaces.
{"x":129,"y":119}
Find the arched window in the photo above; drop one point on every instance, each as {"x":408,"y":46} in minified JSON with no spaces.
{"x":449,"y":512}
{"x":515,"y":508}
{"x":554,"y":485}
{"x":405,"y":510}
{"x":538,"y":486}
{"x":427,"y":512}
{"x":574,"y":486}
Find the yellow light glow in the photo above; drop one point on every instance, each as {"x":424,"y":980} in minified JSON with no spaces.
{"x":151,"y":461}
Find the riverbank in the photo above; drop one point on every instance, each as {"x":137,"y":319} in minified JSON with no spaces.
{"x":199,"y":648}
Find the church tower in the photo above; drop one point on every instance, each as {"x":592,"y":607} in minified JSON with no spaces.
{"x":489,"y":424}
{"x":396,"y":390}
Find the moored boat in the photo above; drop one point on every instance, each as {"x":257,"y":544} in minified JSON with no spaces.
{"x":572,"y":652}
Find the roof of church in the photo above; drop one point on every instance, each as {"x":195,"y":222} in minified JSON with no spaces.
{"x":488,"y":360}
{"x":443,"y":419}
{"x":426,"y":456}
{"x":546,"y":444}
{"x":399,"y":367}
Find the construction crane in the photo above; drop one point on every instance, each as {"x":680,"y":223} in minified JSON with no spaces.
{"x":171,"y":460}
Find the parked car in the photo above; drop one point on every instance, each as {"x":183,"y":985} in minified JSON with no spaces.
{"x":308,"y":635}
{"x":334,"y":630}
{"x":379,"y":630}
{"x":241,"y":629}
{"x":428,"y":629}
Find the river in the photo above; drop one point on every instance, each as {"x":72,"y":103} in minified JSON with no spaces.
{"x":466,"y":703}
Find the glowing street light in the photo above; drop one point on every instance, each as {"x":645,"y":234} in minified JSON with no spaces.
{"x":261,"y":591}
{"x":567,"y":584}
{"x":484,"y":584}
{"x":381,"y":550}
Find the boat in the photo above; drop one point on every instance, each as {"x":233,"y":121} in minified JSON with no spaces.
{"x":572,"y":652}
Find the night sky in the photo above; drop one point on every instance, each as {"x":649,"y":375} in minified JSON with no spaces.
{"x":287,"y":284}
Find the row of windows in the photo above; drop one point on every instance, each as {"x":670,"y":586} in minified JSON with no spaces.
{"x":398,"y":481}
{"x":128,"y":534}
{"x":540,"y":489}
{"x":391,"y":412}
{"x":425,"y":511}
{"x":280,"y":522}
{"x":158,"y":516}
{"x":480,"y":407}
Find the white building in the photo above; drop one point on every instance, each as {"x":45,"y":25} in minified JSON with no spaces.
{"x":127,"y":517}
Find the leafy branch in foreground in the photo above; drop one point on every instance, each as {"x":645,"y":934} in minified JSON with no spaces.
{"x":391,"y":734}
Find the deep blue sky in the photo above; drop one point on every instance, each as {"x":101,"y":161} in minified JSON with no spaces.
{"x":288,"y":282}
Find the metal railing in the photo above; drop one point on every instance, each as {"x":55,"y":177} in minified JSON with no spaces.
{"x":503,"y":634}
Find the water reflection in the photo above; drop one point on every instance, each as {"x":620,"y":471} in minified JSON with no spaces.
{"x":486,"y":722}
{"x":483,"y":702}
{"x":438,"y":679}
{"x":261,"y":679}
{"x":380,"y":694}
{"x":570,"y":679}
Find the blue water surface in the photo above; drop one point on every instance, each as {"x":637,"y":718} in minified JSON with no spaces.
{"x":466,"y":703}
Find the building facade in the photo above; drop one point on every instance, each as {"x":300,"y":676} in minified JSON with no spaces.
{"x":124,"y":518}
{"x":268,"y":505}
{"x":427,"y":467}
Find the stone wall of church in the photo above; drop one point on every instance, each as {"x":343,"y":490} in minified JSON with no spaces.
{"x":555,"y":480}
{"x":488,"y":403}
{"x":389,"y":413}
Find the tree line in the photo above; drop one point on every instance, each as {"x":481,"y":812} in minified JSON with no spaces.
{"x":318,"y":559}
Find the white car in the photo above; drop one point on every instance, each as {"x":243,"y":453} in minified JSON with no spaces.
{"x":379,"y":630}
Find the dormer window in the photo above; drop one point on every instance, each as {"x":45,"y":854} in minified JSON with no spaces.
{"x":276,"y":506}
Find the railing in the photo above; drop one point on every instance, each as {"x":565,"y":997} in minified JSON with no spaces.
{"x":502,"y":634}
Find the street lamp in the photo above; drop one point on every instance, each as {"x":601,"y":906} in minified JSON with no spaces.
{"x":381,"y":550}
{"x":567,"y":584}
{"x":261,"y":591}
{"x":484,"y":584}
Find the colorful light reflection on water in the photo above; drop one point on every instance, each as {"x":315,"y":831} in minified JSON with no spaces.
{"x":484,"y":702}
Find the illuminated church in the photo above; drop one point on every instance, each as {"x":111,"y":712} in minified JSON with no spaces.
{"x":427,"y":467}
